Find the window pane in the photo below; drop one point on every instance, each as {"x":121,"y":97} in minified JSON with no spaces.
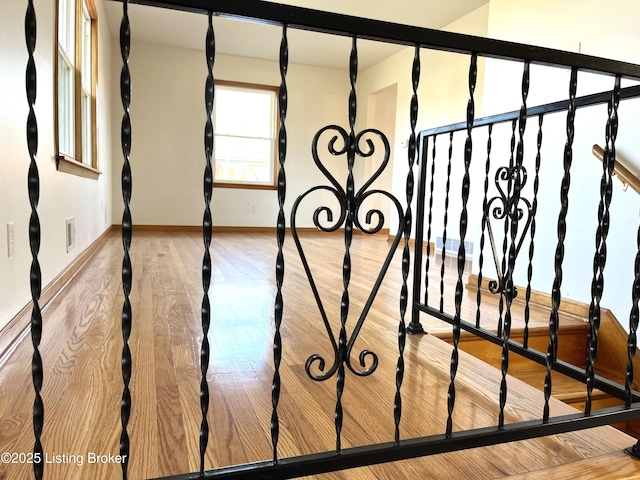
{"x":66,"y":27}
{"x":65,"y":106}
{"x":86,"y":48}
{"x":244,"y":159}
{"x":244,"y":112}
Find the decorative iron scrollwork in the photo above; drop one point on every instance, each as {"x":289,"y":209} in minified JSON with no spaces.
{"x":350,"y":206}
{"x":505,"y":207}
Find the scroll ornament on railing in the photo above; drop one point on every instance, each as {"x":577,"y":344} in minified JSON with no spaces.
{"x":350,"y":205}
{"x":505,"y":207}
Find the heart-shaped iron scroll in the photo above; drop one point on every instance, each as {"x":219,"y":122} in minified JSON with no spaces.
{"x":350,"y":204}
{"x":505,"y":208}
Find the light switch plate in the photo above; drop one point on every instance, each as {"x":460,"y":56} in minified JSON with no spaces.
{"x":70,"y":233}
{"x":11,"y":240}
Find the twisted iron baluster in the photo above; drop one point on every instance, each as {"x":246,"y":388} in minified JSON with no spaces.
{"x":31,"y":83}
{"x":406,"y":255}
{"x":468,"y":148}
{"x":634,"y":319}
{"x":446,"y":218}
{"x":414,"y":326}
{"x":433,"y":173}
{"x":556,"y":295}
{"x":503,"y":267}
{"x":348,"y":235}
{"x":280,"y":232}
{"x":534,"y":209}
{"x":483,"y":224}
{"x":207,"y":229}
{"x":513,"y":230}
{"x":600,"y":256}
{"x":127,"y":228}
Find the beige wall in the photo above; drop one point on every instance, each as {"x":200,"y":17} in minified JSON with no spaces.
{"x":594,"y":28}
{"x":442,"y":93}
{"x":168,"y":118}
{"x":61,"y":195}
{"x":381,"y":115}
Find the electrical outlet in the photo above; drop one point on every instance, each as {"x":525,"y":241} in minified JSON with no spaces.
{"x":11,"y":240}
{"x":252,"y":208}
{"x":70,"y":233}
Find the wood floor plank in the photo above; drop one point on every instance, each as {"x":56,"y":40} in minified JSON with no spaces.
{"x":616,"y":466}
{"x":82,"y":346}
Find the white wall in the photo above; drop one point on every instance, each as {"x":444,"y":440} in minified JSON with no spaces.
{"x":168,"y":118}
{"x":381,"y":115}
{"x":443,"y":96}
{"x":594,"y":28}
{"x":61,"y":195}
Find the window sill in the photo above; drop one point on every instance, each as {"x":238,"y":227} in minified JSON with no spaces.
{"x":249,"y":186}
{"x":68,"y":165}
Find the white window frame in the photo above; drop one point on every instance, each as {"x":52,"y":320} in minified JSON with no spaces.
{"x":66,"y":77}
{"x":86,"y":87}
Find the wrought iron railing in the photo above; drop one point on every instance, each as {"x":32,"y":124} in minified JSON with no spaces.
{"x":516,"y":215}
{"x":516,"y":212}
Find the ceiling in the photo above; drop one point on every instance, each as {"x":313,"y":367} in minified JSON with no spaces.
{"x":234,"y":37}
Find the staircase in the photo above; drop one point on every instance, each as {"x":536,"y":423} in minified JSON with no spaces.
{"x":572,"y":345}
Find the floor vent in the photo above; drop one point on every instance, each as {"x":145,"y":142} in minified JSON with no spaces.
{"x":453,"y":244}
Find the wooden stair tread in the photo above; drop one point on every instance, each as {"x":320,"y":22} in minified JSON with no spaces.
{"x":517,"y":333}
{"x":571,"y":347}
{"x":564,"y":388}
{"x":538,"y":321}
{"x":604,"y":467}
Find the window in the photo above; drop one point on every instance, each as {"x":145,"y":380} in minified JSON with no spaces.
{"x":245,"y":135}
{"x":75,"y":88}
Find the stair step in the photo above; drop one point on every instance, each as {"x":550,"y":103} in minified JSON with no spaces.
{"x":572,"y":345}
{"x":564,"y":388}
{"x":571,"y":348}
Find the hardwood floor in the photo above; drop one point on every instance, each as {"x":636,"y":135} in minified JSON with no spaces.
{"x":82,"y":342}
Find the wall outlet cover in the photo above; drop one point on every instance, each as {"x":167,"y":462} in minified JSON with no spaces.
{"x":11,"y":240}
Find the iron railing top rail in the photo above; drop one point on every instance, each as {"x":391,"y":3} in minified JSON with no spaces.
{"x":562,"y":105}
{"x":339,"y":24}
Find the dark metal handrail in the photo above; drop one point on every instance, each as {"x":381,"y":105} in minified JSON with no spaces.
{"x":338,"y":24}
{"x":554,"y":107}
